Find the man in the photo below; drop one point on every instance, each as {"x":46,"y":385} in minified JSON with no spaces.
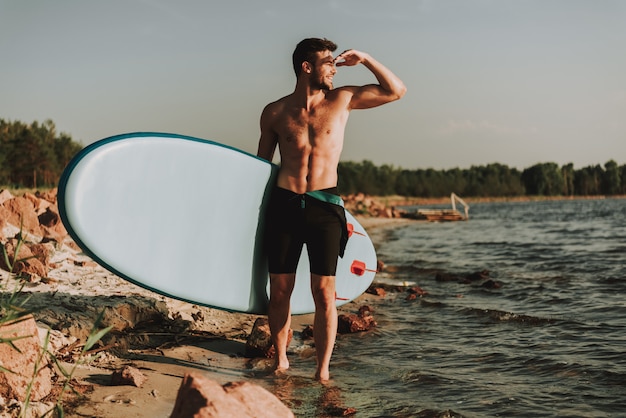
{"x":308,"y":127}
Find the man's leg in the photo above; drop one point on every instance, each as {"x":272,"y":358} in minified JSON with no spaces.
{"x":279,"y":316}
{"x":325,"y":322}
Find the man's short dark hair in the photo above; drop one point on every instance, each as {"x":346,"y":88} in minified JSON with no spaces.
{"x":306,"y":50}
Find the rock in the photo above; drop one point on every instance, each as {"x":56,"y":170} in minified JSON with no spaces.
{"x":50,"y":195}
{"x":470,"y":279}
{"x":479,"y":275}
{"x":43,"y":253}
{"x":128,"y":376}
{"x":491,"y":284}
{"x":368,"y":206}
{"x":365,"y":310}
{"x":431,"y":413}
{"x":340,"y":411}
{"x":5,"y":195}
{"x":51,"y":225}
{"x":418,"y":291}
{"x":200,"y":397}
{"x":376,"y":290}
{"x":20,"y":211}
{"x":307,"y":332}
{"x":350,"y":323}
{"x":128,"y":315}
{"x":49,"y":218}
{"x":22,"y":362}
{"x":24,"y":262}
{"x":259,"y":343}
{"x":447,"y":277}
{"x":40,"y":205}
{"x":85,"y":263}
{"x":34,"y":213}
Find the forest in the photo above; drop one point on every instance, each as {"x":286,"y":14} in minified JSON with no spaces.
{"x":35,"y":155}
{"x":492,"y":180}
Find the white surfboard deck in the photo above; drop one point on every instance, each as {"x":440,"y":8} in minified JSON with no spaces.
{"x":182,"y":216}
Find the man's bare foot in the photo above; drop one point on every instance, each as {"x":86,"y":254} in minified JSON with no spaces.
{"x":281,"y":366}
{"x":279,"y":372}
{"x":322,"y":377}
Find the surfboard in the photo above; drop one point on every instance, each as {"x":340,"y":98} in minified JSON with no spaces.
{"x":183,"y":217}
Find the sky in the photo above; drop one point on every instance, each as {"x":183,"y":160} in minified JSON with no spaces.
{"x":515,"y":82}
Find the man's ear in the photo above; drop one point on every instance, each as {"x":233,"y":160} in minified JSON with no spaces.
{"x":307,"y":67}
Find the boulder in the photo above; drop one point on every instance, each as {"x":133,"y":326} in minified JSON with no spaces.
{"x":350,"y":323}
{"x":200,"y":397}
{"x":20,"y":211}
{"x":259,"y":343}
{"x":21,"y":361}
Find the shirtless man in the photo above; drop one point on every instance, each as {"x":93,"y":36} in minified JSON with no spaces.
{"x":308,"y":127}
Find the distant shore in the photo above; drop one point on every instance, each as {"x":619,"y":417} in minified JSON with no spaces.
{"x":418,"y":201}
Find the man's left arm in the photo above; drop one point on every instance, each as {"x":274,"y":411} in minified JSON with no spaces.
{"x":390,"y":87}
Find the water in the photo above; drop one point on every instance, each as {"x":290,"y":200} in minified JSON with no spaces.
{"x":543,"y":335}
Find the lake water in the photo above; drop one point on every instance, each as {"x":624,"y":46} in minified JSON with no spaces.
{"x":542,"y":334}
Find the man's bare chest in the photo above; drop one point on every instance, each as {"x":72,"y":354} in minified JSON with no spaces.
{"x":309,"y":124}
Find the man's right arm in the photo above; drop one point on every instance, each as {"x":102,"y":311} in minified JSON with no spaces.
{"x":269,"y":138}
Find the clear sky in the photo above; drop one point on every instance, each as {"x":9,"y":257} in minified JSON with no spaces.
{"x":513,"y":82}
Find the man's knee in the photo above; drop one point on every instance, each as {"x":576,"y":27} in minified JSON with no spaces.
{"x":281,"y":287}
{"x":323,"y":290}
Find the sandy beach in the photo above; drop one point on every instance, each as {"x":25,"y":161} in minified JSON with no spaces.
{"x":161,"y":337}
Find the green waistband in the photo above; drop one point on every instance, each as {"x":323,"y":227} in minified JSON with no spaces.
{"x":326,"y":197}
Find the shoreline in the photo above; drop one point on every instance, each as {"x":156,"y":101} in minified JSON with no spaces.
{"x":161,"y":337}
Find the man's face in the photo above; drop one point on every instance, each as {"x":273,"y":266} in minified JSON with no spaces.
{"x":323,"y":71}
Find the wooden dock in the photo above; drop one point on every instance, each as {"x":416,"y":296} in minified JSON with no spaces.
{"x":441,"y":215}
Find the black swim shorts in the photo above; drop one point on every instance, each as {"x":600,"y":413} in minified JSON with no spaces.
{"x":295,"y":219}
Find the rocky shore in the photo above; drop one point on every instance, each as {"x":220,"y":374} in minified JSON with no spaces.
{"x":143,"y":362}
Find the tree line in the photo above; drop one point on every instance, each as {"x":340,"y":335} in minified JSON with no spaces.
{"x":492,"y":180}
{"x":33,"y":156}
